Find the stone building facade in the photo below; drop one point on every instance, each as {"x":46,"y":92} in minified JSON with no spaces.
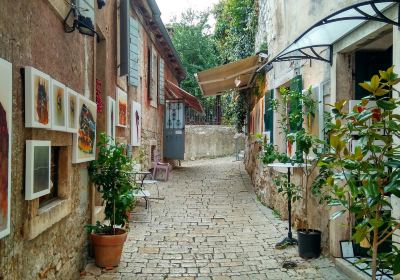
{"x":47,"y":240}
{"x":280,"y":23}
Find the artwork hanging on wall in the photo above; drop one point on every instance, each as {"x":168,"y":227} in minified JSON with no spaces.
{"x":37,"y":99}
{"x":122,"y":108}
{"x":38,"y":169}
{"x":59,"y":106}
{"x":111,"y":117}
{"x":5,"y":145}
{"x":72,"y":111}
{"x":136,"y":123}
{"x":84,"y":144}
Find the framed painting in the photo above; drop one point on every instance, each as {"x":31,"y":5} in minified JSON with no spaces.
{"x":59,"y":106}
{"x":111,"y":117}
{"x":37,"y":99}
{"x":84,"y":144}
{"x":72,"y":111}
{"x":5,"y":145}
{"x":38,"y":169}
{"x":136,"y":123}
{"x":122,"y":108}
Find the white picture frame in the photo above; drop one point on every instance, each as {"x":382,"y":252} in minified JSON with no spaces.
{"x":38,"y":169}
{"x":37,"y":95}
{"x":72,"y":111}
{"x":111,"y":112}
{"x":59,"y":97}
{"x":84,"y":141}
{"x":136,"y":123}
{"x":5,"y":146}
{"x":122,"y":108}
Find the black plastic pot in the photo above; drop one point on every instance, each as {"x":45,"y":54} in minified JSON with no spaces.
{"x":309,"y":243}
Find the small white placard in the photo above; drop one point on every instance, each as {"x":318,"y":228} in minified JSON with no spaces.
{"x":179,"y":132}
{"x":347,"y":249}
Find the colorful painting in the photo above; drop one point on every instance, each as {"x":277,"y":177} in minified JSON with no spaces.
{"x":122,"y":108}
{"x":136,"y":123}
{"x":84,"y":147}
{"x":37,"y":99}
{"x":72,"y":111}
{"x":111,"y":117}
{"x":5,"y":145}
{"x":59,"y":113}
{"x":37,"y":171}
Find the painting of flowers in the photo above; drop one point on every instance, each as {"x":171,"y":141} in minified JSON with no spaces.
{"x":72,"y":111}
{"x":84,"y":146}
{"x":122,"y":108}
{"x":5,"y":145}
{"x":59,"y":113}
{"x":37,"y":99}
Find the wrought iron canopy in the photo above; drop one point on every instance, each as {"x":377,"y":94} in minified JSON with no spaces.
{"x":317,"y":41}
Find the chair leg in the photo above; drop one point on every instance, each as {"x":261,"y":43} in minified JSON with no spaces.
{"x":154,"y":172}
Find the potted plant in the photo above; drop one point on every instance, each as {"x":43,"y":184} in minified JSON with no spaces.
{"x":309,"y":240}
{"x":361,"y":178}
{"x":110,"y":172}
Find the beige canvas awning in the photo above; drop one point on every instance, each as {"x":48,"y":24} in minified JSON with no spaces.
{"x":235,"y":75}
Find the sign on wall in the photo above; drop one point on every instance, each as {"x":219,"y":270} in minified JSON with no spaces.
{"x":136,"y":123}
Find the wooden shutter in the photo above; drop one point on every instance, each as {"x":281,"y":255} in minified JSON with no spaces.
{"x":269,"y":114}
{"x":124,"y":38}
{"x":133,"y":75}
{"x":296,"y":84}
{"x":161,"y":83}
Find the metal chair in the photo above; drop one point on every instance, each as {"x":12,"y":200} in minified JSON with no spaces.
{"x":158,"y":165}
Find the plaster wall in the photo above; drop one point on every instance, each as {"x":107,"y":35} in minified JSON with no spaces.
{"x":280,"y":22}
{"x":210,"y":141}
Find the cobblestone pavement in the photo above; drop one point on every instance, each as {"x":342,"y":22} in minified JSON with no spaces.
{"x":206,"y":223}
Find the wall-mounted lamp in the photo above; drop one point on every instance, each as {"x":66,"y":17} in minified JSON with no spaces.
{"x":101,"y":3}
{"x":80,"y":22}
{"x":238,"y":81}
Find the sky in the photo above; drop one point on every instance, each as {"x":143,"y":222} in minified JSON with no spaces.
{"x":171,"y":8}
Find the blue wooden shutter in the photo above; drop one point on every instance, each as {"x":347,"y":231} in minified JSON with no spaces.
{"x":133,"y":75}
{"x":161,"y":83}
{"x":269,"y":113}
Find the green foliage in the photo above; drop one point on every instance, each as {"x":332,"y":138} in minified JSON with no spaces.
{"x":236,"y":26}
{"x":289,"y":190}
{"x":241,"y":110}
{"x":271,"y":154}
{"x":361,"y":179}
{"x":111,"y":175}
{"x":198,"y":50}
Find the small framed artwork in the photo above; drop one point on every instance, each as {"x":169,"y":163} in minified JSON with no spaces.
{"x":5,"y":145}
{"x":59,"y":106}
{"x":37,"y":99}
{"x":72,"y":111}
{"x":37,"y":171}
{"x":346,"y":248}
{"x":111,"y":117}
{"x":136,"y":123}
{"x":84,"y":142}
{"x":122,"y":108}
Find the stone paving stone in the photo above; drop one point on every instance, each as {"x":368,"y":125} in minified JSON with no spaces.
{"x":208,"y":225}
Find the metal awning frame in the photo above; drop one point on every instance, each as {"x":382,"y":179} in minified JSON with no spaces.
{"x":309,"y":52}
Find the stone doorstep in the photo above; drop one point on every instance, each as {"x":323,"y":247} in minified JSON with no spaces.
{"x":349,"y":270}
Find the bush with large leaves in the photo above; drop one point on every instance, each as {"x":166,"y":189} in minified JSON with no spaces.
{"x":361,"y":178}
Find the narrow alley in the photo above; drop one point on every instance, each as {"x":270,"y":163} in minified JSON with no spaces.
{"x":206,"y":223}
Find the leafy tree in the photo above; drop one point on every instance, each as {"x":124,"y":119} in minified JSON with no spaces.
{"x":235,"y":30}
{"x":194,"y":41}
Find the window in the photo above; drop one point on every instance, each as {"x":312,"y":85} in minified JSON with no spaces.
{"x":296,"y":84}
{"x":53,"y":195}
{"x":154,"y":79}
{"x":148,"y":73}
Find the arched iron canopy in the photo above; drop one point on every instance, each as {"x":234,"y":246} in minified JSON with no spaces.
{"x":317,"y":42}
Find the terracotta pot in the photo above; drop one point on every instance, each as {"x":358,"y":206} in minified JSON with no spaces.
{"x":108,"y":248}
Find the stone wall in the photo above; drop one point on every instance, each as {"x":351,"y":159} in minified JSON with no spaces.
{"x":209,"y":141}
